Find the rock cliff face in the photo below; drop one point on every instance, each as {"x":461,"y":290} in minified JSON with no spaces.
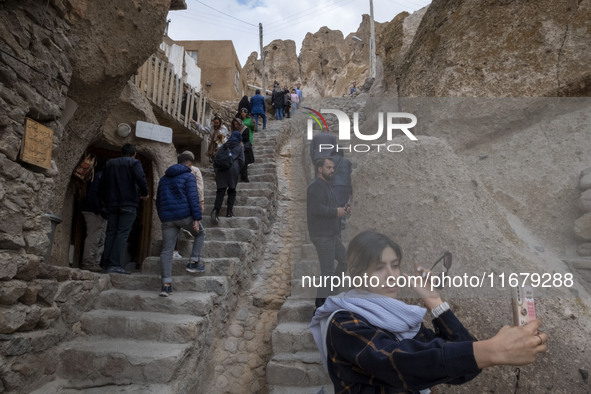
{"x":500,"y":49}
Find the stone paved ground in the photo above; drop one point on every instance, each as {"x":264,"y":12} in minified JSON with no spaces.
{"x":241,"y":356}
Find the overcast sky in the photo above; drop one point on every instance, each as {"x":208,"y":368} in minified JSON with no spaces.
{"x":238,"y":20}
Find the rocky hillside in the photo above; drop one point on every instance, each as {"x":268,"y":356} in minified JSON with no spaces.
{"x":327,"y":64}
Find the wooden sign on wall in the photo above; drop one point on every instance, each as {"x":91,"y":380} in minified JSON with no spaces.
{"x":37,"y":144}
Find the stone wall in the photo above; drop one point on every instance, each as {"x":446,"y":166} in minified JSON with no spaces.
{"x":51,"y":51}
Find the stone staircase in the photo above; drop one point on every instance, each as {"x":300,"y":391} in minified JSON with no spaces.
{"x":296,"y":367}
{"x":135,"y":341}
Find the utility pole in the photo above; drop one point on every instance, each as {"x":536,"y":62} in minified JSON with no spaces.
{"x":263,"y":74}
{"x":372,"y":43}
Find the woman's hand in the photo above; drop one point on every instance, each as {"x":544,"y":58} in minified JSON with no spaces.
{"x":421,"y":284}
{"x":511,"y":346}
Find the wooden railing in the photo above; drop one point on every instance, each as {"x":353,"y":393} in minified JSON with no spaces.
{"x":156,"y":78}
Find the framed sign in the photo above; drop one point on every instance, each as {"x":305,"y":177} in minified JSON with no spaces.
{"x":154,"y":132}
{"x":37,"y":144}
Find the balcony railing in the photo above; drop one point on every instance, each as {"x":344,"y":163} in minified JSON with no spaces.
{"x":157,"y":79}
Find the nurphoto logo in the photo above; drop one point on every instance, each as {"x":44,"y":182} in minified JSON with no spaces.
{"x":391,"y":119}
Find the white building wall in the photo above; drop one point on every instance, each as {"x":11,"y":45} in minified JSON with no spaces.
{"x":184,"y":65}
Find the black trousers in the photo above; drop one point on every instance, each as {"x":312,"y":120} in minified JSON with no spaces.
{"x":219,"y":198}
{"x":244,"y":173}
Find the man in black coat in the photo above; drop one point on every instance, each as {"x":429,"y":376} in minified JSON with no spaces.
{"x":324,"y":225}
{"x":122,"y":180}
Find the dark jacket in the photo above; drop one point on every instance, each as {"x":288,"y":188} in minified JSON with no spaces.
{"x":229,"y":178}
{"x":321,"y":210}
{"x":368,"y":359}
{"x":92,"y":202}
{"x":342,"y":171}
{"x":177,"y":196}
{"x":278,"y":99}
{"x":258,"y":104}
{"x":122,"y":180}
{"x":322,"y":138}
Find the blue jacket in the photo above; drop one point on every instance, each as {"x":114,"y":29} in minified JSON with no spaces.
{"x":177,"y":196}
{"x":258,"y":104}
{"x":122,"y":183}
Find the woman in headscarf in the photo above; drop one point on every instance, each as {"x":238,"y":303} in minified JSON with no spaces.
{"x":370,"y":342}
{"x":228,"y":179}
{"x":219,"y":136}
{"x":244,"y":103}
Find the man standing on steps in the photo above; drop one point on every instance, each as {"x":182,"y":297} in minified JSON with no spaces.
{"x":118,"y":189}
{"x":177,"y":202}
{"x":324,"y":224}
{"x":320,"y":146}
{"x":259,"y":108}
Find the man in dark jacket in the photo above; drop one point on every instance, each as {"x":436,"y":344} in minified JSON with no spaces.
{"x":324,"y":225}
{"x":278,"y":100}
{"x":177,"y":202}
{"x":121,"y":180}
{"x":320,"y":146}
{"x":259,"y":108}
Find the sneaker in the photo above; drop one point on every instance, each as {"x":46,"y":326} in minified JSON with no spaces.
{"x":115,"y":269}
{"x":195,"y":267}
{"x":176,"y":255}
{"x":166,"y":291}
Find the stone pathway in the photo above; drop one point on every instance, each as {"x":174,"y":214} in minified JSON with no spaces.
{"x":241,"y":357}
{"x":137,"y":342}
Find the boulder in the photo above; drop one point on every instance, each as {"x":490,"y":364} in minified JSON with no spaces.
{"x":491,"y":49}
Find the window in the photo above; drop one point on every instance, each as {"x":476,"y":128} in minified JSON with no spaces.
{"x":193,"y":54}
{"x":236,"y":81}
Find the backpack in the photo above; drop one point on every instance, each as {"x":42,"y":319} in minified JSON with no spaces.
{"x":223,"y":159}
{"x":84,"y":171}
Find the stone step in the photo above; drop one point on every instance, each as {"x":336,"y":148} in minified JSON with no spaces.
{"x":178,"y":303}
{"x":326,"y":389}
{"x":160,"y":327}
{"x":184,"y":282}
{"x":309,"y":252}
{"x":293,"y":337}
{"x":294,"y":310}
{"x":63,"y":386}
{"x":305,"y":268}
{"x":298,"y":292}
{"x":257,"y":185}
{"x":297,"y":369}
{"x":213,"y":267}
{"x":106,"y":360}
{"x":240,"y":211}
{"x":242,"y":199}
{"x":218,"y":234}
{"x":251,"y":170}
{"x":268,"y":193}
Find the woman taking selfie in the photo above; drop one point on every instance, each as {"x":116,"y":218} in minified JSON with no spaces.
{"x":373,"y":343}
